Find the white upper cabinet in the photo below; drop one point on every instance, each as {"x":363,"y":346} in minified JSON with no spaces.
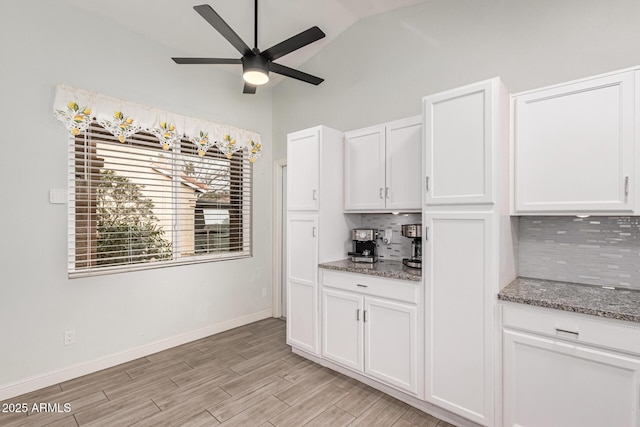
{"x":574,"y":147}
{"x":403,"y":189}
{"x":364,"y":169}
{"x":459,"y":136}
{"x":382,"y":167}
{"x":303,"y":154}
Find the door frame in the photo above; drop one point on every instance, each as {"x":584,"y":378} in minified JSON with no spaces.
{"x":276,"y":291}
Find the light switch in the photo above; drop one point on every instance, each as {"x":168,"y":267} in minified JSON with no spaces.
{"x":57,"y":196}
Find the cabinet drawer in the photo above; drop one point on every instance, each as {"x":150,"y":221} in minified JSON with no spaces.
{"x":369,"y":285}
{"x":604,"y":333}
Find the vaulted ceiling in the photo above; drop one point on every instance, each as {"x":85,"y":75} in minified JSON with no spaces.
{"x":174,"y":23}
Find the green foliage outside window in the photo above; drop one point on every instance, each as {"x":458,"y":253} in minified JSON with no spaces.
{"x":127,"y":230}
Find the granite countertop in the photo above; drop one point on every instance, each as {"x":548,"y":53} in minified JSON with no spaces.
{"x":618,"y":303}
{"x":389,"y":269}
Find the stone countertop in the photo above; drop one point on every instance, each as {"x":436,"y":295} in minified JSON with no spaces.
{"x":389,"y":269}
{"x":618,"y":303}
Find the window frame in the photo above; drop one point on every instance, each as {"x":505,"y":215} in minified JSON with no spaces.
{"x":240,"y":167}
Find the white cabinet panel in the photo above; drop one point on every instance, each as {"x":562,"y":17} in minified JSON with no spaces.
{"x":459,"y":135}
{"x":301,"y":319}
{"x":574,"y":147}
{"x":317,"y":229}
{"x":557,"y":384}
{"x":303,"y":158}
{"x":391,"y":343}
{"x":342,"y":334}
{"x":302,"y":244}
{"x":302,"y":263}
{"x":403,"y":189}
{"x":459,"y":323}
{"x":383,"y":167}
{"x":364,"y":169}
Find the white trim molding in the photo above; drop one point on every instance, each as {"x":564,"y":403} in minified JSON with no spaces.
{"x":276,"y":292}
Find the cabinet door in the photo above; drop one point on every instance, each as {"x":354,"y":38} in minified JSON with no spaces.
{"x":556,"y":384}
{"x":459,"y":292}
{"x":403,"y":164}
{"x":303,"y":170}
{"x":364,"y":169}
{"x":342,"y":328}
{"x":391,"y":337}
{"x":574,"y":147}
{"x":459,"y":137}
{"x":302,"y":266}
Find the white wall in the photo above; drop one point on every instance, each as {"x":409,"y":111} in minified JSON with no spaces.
{"x":43,"y":43}
{"x":381,"y":67}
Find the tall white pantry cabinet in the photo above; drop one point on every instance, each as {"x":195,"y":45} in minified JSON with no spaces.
{"x":317,"y":229}
{"x":467,"y":248}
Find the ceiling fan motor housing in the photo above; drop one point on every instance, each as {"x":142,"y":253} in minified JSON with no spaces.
{"x":255,"y":69}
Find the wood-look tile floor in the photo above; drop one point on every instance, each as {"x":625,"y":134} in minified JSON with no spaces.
{"x":247,"y":376}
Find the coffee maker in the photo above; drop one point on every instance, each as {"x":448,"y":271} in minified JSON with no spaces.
{"x":413,"y":231}
{"x":364,"y":245}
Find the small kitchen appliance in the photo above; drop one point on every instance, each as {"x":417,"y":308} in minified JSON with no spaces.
{"x":413,"y":231}
{"x":364,"y":245}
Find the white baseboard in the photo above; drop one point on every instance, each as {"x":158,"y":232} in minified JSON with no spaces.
{"x":37,"y":382}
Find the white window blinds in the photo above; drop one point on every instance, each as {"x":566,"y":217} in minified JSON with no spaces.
{"x":135,"y":205}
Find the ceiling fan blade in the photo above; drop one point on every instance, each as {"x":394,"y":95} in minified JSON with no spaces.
{"x":223,"y":28}
{"x":207,"y":61}
{"x":293,"y":43}
{"x":290,"y":72}
{"x":249,"y":88}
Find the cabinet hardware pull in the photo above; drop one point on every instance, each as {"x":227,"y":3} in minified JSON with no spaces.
{"x":364,"y":315}
{"x":358,"y":314}
{"x":626,"y":185}
{"x":426,"y":233}
{"x":567,"y":332}
{"x":386,"y":192}
{"x":362,"y":286}
{"x":315,"y":194}
{"x":427,"y":183}
{"x":315,"y":231}
{"x":381,"y":191}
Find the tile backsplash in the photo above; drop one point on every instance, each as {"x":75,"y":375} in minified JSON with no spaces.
{"x":595,"y":250}
{"x":400,"y":246}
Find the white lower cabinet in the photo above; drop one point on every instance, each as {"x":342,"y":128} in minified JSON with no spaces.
{"x":302,"y":281}
{"x":342,"y":332}
{"x":561,"y":382}
{"x":390,"y":338}
{"x":460,"y":284}
{"x":372,"y":335}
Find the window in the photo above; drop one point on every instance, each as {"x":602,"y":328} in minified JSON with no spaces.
{"x":136,"y":205}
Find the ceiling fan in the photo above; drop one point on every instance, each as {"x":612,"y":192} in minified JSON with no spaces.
{"x":255,"y":64}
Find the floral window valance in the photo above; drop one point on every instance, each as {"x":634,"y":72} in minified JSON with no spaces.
{"x":77,"y":109}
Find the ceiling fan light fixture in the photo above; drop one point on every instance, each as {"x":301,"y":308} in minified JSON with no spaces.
{"x":255,"y":70}
{"x":256,"y":65}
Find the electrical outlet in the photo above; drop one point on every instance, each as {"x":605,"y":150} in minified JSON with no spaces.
{"x":69,"y":337}
{"x":264,"y":292}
